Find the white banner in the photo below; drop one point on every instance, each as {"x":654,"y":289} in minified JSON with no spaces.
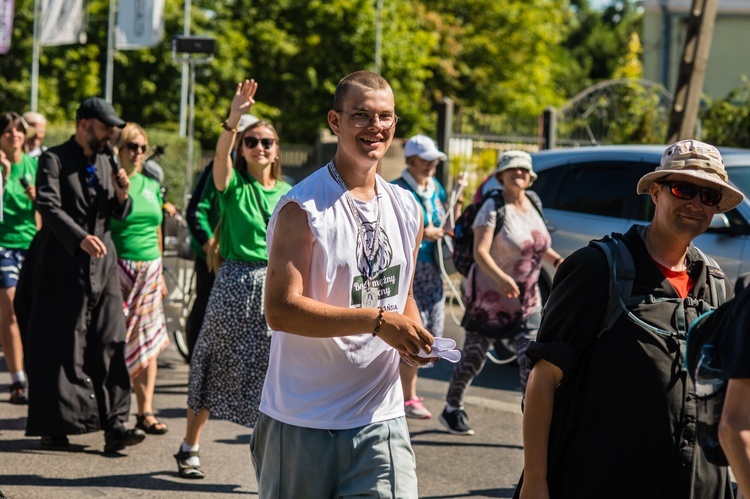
{"x":62,"y":22}
{"x":6,"y":25}
{"x":140,"y":23}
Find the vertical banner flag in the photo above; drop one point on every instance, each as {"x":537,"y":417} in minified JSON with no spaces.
{"x":6,"y":25}
{"x":62,"y":22}
{"x":140,"y":23}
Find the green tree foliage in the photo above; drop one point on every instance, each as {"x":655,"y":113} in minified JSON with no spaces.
{"x":502,"y":56}
{"x":726,"y":121}
{"x":599,"y":39}
{"x":498,"y":56}
{"x":510,"y":57}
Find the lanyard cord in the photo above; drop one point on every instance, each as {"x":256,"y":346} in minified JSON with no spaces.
{"x":369,"y":254}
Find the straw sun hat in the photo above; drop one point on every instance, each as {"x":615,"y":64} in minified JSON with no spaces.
{"x":696,"y":159}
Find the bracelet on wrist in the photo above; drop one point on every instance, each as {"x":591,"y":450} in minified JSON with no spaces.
{"x":228,"y":128}
{"x":381,"y":321}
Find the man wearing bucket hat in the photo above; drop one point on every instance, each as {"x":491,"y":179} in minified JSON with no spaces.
{"x":610,"y":411}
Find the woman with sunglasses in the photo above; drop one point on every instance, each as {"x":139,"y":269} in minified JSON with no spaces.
{"x":17,"y":229}
{"x":139,"y":251}
{"x":229,"y":364}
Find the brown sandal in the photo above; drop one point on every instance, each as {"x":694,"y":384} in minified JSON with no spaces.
{"x":151,"y":429}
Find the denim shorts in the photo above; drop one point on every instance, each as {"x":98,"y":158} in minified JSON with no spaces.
{"x":11,"y":261}
{"x":375,"y":460}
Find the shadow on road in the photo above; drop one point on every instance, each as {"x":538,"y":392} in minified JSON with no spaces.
{"x":150,"y":482}
{"x":503,"y":492}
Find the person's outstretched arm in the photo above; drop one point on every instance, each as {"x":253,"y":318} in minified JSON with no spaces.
{"x":537,"y":417}
{"x":734,"y":431}
{"x":288,"y":310}
{"x":241,"y":103}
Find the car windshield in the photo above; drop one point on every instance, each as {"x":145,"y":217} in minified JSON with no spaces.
{"x":740,"y":176}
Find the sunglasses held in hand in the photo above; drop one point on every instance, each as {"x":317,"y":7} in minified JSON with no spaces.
{"x":252,"y":142}
{"x":687,"y":191}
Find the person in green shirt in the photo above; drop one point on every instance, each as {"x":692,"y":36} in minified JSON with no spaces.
{"x":229,"y":363}
{"x":18,"y":226}
{"x":137,"y":240}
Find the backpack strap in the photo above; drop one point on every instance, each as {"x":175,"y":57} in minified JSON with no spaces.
{"x":621,"y":279}
{"x":497,"y":197}
{"x":717,"y":284}
{"x":536,"y":202}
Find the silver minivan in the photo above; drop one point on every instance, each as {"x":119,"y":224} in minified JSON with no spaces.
{"x":590,"y":192}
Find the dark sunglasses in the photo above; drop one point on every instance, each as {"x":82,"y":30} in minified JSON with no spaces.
{"x":91,"y":177}
{"x":687,"y":191}
{"x":252,"y":142}
{"x":135,"y":147}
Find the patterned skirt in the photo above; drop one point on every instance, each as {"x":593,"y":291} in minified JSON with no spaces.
{"x":142,"y":303}
{"x":230,"y":359}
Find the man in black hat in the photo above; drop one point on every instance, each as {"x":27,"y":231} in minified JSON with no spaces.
{"x":68,"y":301}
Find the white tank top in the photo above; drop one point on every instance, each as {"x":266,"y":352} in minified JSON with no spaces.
{"x":351,"y":381}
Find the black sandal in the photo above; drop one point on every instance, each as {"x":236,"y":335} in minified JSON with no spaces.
{"x":184,"y":469}
{"x":152,"y":429}
{"x":18,"y":393}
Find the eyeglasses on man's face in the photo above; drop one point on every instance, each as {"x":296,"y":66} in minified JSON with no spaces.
{"x":252,"y":142}
{"x":362,"y":119}
{"x":137,"y":147}
{"x":687,"y":191}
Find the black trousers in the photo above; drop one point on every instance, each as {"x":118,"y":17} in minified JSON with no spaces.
{"x":204,"y":282}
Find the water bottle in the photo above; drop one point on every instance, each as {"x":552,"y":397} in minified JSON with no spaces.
{"x":709,"y":390}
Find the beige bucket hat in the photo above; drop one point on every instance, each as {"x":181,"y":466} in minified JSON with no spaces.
{"x":515,"y":159}
{"x":699,"y":160}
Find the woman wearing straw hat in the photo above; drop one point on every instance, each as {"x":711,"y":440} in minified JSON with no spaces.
{"x":502,"y":287}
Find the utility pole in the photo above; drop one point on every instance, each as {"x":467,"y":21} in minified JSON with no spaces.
{"x":692,"y":70}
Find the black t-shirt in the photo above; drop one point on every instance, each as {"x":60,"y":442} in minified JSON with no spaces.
{"x":733,"y":338}
{"x":623,"y":424}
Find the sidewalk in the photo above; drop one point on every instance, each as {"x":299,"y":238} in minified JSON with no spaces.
{"x":485,"y":465}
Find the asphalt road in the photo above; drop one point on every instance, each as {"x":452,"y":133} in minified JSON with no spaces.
{"x":484,"y":465}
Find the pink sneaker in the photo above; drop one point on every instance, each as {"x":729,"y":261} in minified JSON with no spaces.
{"x":416,"y":410}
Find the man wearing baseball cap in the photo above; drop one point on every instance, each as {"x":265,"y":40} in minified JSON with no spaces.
{"x":68,"y":301}
{"x":611,"y":411}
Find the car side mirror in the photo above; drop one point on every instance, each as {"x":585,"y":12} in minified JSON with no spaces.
{"x":719,"y":222}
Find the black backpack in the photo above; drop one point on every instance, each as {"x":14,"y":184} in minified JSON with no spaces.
{"x":702,"y":331}
{"x":622,"y":276}
{"x":463,"y":233}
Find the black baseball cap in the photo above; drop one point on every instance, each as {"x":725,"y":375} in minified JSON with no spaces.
{"x":95,"y":107}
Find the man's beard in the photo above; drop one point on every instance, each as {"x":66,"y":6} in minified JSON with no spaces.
{"x":96,"y":145}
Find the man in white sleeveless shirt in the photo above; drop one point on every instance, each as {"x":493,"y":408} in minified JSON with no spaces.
{"x":342,"y":249}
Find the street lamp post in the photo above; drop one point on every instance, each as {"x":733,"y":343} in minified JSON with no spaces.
{"x":192,"y":50}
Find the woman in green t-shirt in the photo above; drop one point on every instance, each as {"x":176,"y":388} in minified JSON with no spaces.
{"x":230,"y":360}
{"x":138,"y":243}
{"x":18,"y":225}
